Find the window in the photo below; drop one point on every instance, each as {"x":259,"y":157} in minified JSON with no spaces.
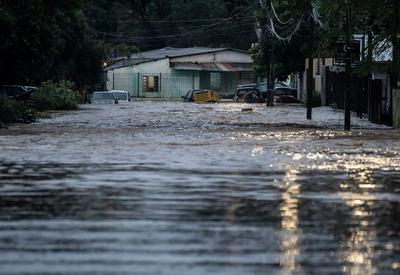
{"x":215,"y":81}
{"x":150,"y":84}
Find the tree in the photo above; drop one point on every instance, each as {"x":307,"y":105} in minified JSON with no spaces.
{"x":47,"y":40}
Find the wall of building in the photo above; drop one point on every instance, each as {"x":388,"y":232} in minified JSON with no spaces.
{"x":172,"y":85}
{"x":175,"y":83}
{"x":130,"y":78}
{"x":318,"y":76}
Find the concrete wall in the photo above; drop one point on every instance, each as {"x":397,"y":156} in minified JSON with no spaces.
{"x":319,"y":81}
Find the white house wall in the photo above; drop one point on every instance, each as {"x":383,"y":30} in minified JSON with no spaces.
{"x":127,"y":78}
{"x":159,"y":66}
{"x":227,"y":56}
{"x":174,"y":83}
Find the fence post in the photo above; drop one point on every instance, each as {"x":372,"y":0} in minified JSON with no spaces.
{"x":138,"y":84}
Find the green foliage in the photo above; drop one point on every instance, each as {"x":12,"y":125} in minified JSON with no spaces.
{"x":374,"y":16}
{"x":47,"y":40}
{"x":289,"y":57}
{"x":56,"y":96}
{"x":11,"y":110}
{"x":151,"y":24}
{"x":259,"y":65}
{"x":125,"y":50}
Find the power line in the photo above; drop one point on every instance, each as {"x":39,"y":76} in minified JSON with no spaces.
{"x":245,"y":21}
{"x":197,"y":20}
{"x":185,"y":21}
{"x":205,"y":28}
{"x":130,"y":38}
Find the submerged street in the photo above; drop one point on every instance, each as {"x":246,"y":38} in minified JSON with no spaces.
{"x":175,"y":188}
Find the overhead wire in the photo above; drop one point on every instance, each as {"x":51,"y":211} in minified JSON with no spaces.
{"x":245,"y":21}
{"x":278,"y":18}
{"x":177,"y":34}
{"x":316,"y":16}
{"x":290,"y":30}
{"x":289,"y":36}
{"x":204,"y":28}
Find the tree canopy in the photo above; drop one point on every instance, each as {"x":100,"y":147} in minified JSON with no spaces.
{"x":45,"y":40}
{"x":70,"y":39}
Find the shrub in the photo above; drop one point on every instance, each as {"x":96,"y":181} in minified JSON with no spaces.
{"x":56,"y":96}
{"x":12,"y":111}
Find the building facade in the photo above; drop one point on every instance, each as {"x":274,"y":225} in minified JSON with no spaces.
{"x":170,"y":73}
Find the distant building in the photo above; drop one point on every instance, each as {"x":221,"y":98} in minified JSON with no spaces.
{"x":170,"y":72}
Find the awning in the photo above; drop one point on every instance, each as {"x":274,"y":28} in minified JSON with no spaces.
{"x":213,"y":67}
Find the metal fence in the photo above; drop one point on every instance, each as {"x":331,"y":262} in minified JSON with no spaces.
{"x":370,"y":97}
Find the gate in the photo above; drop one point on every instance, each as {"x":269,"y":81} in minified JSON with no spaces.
{"x":369,"y":97}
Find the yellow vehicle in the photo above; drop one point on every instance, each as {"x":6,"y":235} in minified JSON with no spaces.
{"x":205,"y":96}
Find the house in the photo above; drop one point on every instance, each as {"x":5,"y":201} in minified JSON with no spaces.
{"x":170,"y":72}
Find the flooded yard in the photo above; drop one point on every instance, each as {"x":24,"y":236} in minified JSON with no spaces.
{"x":174,"y":188}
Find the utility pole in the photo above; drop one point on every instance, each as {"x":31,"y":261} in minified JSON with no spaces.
{"x":369,"y":60}
{"x":265,"y":39}
{"x":396,"y":65}
{"x":347,"y":95}
{"x":310,"y":72}
{"x":268,"y":54}
{"x":270,"y":72}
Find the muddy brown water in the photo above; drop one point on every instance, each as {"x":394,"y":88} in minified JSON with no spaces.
{"x":172,"y":188}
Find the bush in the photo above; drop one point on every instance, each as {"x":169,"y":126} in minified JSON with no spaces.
{"x":56,"y":96}
{"x":12,"y":111}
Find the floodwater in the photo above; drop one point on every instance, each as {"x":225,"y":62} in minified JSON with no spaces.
{"x":174,"y":188}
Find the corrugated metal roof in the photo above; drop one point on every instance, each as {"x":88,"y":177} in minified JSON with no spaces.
{"x":175,"y":52}
{"x":128,"y":62}
{"x":215,"y":67}
{"x":168,"y":52}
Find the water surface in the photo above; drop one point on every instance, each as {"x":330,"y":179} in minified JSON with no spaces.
{"x":173,"y":188}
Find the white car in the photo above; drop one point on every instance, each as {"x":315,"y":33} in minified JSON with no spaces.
{"x":122,"y":96}
{"x":103,"y":98}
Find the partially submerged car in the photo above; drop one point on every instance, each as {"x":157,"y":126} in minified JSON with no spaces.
{"x":20,"y":93}
{"x":285,"y":94}
{"x":17,"y":92}
{"x":258,"y":92}
{"x":122,"y":96}
{"x":103,"y":97}
{"x":201,"y":96}
{"x":248,"y":94}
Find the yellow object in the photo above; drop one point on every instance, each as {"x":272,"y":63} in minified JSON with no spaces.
{"x":206,"y":96}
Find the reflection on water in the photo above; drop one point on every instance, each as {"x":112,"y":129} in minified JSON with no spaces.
{"x":359,"y":248}
{"x":170,"y":188}
{"x":290,"y":223}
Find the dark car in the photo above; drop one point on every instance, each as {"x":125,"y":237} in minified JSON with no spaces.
{"x":285,"y":94}
{"x":22,"y":93}
{"x":103,"y":97}
{"x":248,"y":94}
